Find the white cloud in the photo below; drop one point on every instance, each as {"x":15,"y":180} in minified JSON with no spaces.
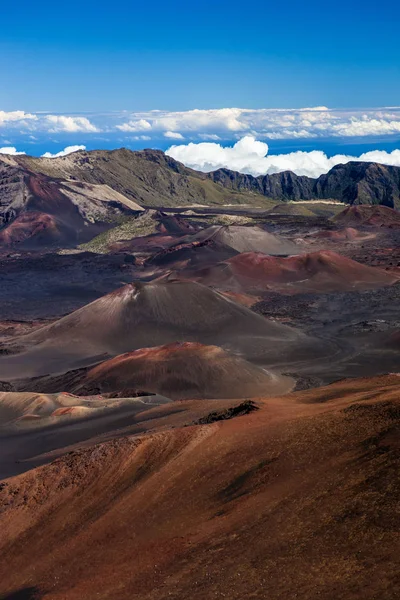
{"x":209,"y":136}
{"x":314,"y":109}
{"x":227,"y":119}
{"x":214,"y":124}
{"x":382,"y":157}
{"x":144,"y":138}
{"x":367,"y":126}
{"x":268,"y":123}
{"x":15,"y":116}
{"x":60,"y":123}
{"x":173,"y":135}
{"x":251,"y":156}
{"x":67,"y":150}
{"x":140,"y":125}
{"x":10,"y":150}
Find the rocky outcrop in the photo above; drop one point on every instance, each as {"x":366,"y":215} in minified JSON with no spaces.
{"x":352,"y":183}
{"x":361,"y":183}
{"x":283,"y":186}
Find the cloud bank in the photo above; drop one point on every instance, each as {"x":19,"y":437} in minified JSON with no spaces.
{"x":15,"y":116}
{"x":70,"y":124}
{"x":251,"y":156}
{"x":212,"y":124}
{"x":20,"y":121}
{"x":265,"y":123}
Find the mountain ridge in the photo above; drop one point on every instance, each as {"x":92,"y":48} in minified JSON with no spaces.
{"x":351,"y":183}
{"x":87,"y":191}
{"x":148,"y":177}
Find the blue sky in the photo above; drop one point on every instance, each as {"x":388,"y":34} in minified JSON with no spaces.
{"x":91,"y":73}
{"x":94,"y":56}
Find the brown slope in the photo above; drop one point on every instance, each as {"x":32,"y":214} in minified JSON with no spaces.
{"x":152,"y":314}
{"x":297,"y":499}
{"x":80,"y":211}
{"x":372,"y":216}
{"x":181,"y":371}
{"x":28,"y":442}
{"x":34,"y":229}
{"x":323,"y":271}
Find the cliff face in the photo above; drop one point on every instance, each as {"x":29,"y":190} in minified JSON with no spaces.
{"x":361,"y":183}
{"x":282,"y":186}
{"x":352,"y":183}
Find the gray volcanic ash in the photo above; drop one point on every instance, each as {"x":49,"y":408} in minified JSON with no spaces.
{"x":153,"y":314}
{"x":248,"y":239}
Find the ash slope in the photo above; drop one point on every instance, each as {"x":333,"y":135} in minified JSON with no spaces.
{"x":182,"y":371}
{"x":247,"y":239}
{"x":22,"y":411}
{"x":153,"y":314}
{"x":296,"y":499}
{"x":215,"y":244}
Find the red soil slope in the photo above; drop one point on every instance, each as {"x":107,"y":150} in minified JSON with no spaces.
{"x":348,"y":234}
{"x":32,"y":228}
{"x":181,"y":371}
{"x":297,"y":499}
{"x":375,"y":216}
{"x":75,"y":212}
{"x":323,"y":271}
